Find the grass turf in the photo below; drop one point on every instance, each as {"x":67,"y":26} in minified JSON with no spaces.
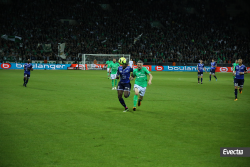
{"x":73,"y":118}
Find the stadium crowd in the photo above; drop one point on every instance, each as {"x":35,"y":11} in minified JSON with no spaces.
{"x":148,"y":30}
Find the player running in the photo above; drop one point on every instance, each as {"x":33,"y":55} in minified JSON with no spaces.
{"x":27,"y":68}
{"x":212,"y":69}
{"x":113,"y":69}
{"x":200,"y":68}
{"x":140,"y":82}
{"x":124,"y":84}
{"x":234,"y":65}
{"x":108,"y":66}
{"x":239,"y":72}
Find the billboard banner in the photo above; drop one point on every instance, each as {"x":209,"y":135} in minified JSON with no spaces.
{"x":20,"y":66}
{"x":177,"y":68}
{"x":224,"y":69}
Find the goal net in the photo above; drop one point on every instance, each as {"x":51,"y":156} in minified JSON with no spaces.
{"x":98,"y":61}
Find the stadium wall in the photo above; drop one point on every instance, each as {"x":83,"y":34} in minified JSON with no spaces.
{"x":38,"y":66}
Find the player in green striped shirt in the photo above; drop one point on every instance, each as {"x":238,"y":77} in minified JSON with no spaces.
{"x":234,"y":65}
{"x":141,"y":82}
{"x":113,"y":70}
{"x":108,"y":66}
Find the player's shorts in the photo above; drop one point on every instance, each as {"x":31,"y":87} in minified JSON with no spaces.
{"x":107,"y":69}
{"x":212,"y":71}
{"x":124,"y":86}
{"x":113,"y":76}
{"x":26,"y":75}
{"x":141,"y":90}
{"x":200,"y":74}
{"x":239,"y":82}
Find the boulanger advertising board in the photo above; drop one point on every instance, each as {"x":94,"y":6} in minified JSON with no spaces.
{"x":20,"y":66}
{"x":16,"y":66}
{"x":177,"y":68}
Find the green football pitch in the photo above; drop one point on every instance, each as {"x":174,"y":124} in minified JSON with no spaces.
{"x":73,"y":118}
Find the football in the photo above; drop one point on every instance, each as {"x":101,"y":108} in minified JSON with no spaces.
{"x":122,"y":60}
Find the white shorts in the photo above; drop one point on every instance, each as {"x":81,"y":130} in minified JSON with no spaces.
{"x":107,"y":69}
{"x":113,"y":76}
{"x":141,"y":90}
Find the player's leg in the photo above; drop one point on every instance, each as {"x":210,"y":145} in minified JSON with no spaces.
{"x":127,"y":90}
{"x":135,"y":96}
{"x":108,"y":72}
{"x":201,"y":78}
{"x":241,"y":85}
{"x":214,"y":75}
{"x":27,"y":80}
{"x":210,"y":74}
{"x":115,"y":82}
{"x":120,"y":91}
{"x":24,"y":79}
{"x":112,"y":80}
{"x":142,"y":92}
{"x":235,"y":89}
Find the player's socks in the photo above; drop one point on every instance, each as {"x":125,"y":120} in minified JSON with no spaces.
{"x":135,"y":100}
{"x":215,"y":77}
{"x":112,"y":83}
{"x":210,"y":77}
{"x":115,"y":82}
{"x":201,"y":80}
{"x":240,"y":91}
{"x":122,"y":102}
{"x":235,"y":92}
{"x":139,"y":102}
{"x":26,"y":81}
{"x":198,"y":80}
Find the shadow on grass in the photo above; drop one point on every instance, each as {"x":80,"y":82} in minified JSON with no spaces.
{"x":118,"y":109}
{"x":38,"y":88}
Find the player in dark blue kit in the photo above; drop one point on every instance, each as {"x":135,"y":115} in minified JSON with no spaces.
{"x":239,"y":72}
{"x":200,"y":68}
{"x":124,"y":85}
{"x":27,"y":69}
{"x":212,"y":69}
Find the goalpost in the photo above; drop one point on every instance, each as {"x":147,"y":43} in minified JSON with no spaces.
{"x":98,"y":61}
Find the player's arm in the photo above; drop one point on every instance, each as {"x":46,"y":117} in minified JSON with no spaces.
{"x":198,"y":68}
{"x":150,"y":79}
{"x":117,"y":74}
{"x":245,"y":71}
{"x":132,"y":76}
{"x":204,"y":69}
{"x":31,"y":68}
{"x":215,"y":65}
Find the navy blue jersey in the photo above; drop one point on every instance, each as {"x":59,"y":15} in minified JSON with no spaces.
{"x":213,"y":64}
{"x":124,"y":74}
{"x":200,"y":67}
{"x":239,"y":69}
{"x":27,"y":68}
